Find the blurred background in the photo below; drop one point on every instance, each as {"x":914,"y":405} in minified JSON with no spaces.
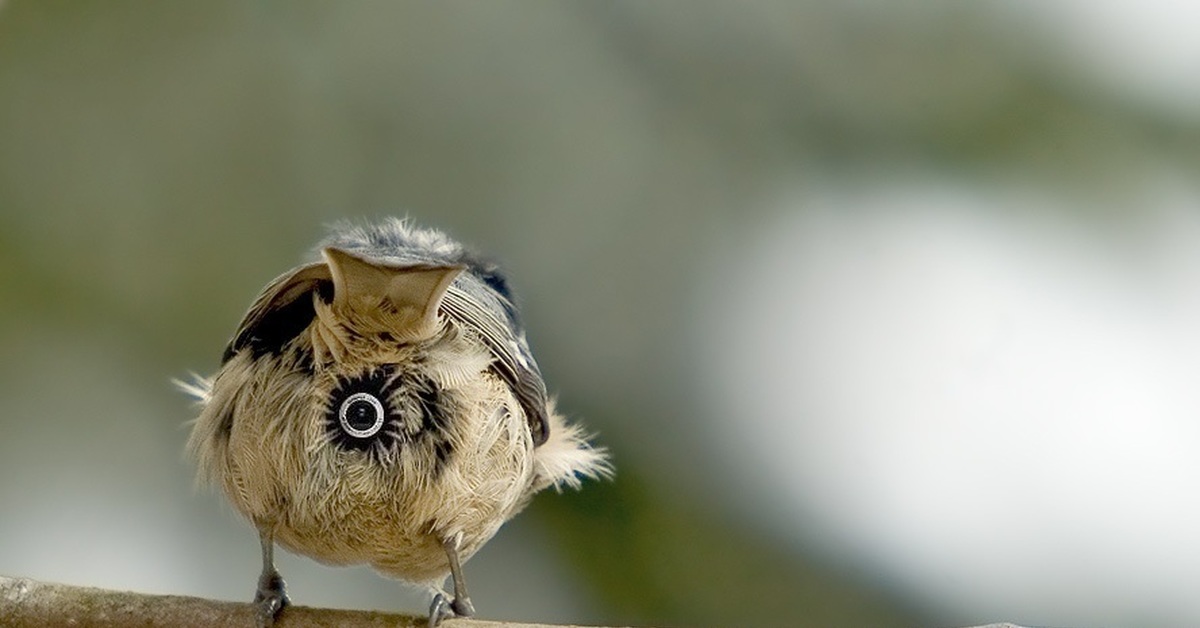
{"x":889,"y":312}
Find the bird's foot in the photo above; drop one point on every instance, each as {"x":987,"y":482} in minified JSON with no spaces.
{"x":443,"y":607}
{"x":271,"y":597}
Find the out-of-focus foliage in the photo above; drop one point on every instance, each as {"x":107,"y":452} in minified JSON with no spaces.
{"x":161,"y":161}
{"x":660,"y":560}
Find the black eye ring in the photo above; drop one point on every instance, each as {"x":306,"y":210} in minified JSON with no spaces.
{"x":357,"y":411}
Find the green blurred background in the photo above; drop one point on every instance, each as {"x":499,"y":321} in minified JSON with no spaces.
{"x":637,"y":167}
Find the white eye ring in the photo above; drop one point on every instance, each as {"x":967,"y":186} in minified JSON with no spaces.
{"x":344,"y":410}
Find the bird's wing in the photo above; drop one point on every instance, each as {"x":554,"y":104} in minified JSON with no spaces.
{"x":279,"y":313}
{"x":514,"y":362}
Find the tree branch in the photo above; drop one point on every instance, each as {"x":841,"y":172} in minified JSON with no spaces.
{"x":29,"y":603}
{"x":26,"y":603}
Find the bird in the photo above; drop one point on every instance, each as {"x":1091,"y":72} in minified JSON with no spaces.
{"x":380,"y":405}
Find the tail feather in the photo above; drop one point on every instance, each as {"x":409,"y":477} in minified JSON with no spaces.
{"x":566,"y":458}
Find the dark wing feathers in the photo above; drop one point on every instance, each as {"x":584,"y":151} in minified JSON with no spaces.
{"x":280,"y":313}
{"x":514,"y":362}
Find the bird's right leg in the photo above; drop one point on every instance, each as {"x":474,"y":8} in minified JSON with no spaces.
{"x":460,"y":606}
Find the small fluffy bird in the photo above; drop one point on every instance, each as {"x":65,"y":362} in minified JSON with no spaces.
{"x":381,"y":405}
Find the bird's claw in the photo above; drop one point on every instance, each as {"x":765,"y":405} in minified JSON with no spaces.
{"x":443,"y":607}
{"x":271,"y":597}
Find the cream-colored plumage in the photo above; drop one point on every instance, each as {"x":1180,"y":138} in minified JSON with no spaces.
{"x":457,"y":455}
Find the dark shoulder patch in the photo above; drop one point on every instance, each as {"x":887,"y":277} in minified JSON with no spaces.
{"x":325,"y":291}
{"x":277,"y":327}
{"x":495,"y":280}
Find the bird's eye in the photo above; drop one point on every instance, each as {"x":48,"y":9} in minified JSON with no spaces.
{"x":361,"y":415}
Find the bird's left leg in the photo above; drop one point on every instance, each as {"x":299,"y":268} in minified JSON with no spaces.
{"x":271,"y":595}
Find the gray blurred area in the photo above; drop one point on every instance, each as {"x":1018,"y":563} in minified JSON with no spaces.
{"x":791,"y":261}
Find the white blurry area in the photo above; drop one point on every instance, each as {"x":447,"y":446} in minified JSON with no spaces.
{"x":985,"y":397}
{"x":95,"y":491}
{"x":1147,"y":52}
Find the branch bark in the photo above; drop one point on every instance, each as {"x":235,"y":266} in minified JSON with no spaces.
{"x":26,"y":603}
{"x":29,"y":603}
